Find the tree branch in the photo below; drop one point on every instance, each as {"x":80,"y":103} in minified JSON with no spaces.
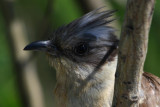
{"x":132,"y":52}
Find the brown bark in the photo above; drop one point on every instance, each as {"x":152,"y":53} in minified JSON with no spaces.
{"x":132,"y":52}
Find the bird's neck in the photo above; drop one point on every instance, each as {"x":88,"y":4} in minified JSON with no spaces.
{"x":86,"y":88}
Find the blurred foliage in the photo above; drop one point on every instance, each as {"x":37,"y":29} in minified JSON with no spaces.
{"x":64,"y":11}
{"x":153,"y":57}
{"x":9,"y":96}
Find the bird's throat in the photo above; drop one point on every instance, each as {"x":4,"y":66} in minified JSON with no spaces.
{"x":86,"y":89}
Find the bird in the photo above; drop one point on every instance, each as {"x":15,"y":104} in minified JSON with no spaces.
{"x":84,"y":54}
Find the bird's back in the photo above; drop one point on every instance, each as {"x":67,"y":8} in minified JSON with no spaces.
{"x":150,"y":90}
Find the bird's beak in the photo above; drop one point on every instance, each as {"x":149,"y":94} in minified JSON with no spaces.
{"x":39,"y":45}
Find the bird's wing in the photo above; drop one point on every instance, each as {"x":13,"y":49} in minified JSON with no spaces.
{"x":150,"y":90}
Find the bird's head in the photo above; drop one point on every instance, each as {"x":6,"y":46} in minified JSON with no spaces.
{"x":85,"y":42}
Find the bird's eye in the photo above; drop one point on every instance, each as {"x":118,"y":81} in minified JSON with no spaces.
{"x":81,"y":49}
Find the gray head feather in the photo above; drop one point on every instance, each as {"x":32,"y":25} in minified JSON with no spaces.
{"x":92,"y":32}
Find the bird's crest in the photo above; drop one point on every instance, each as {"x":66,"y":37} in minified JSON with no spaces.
{"x":88,"y":21}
